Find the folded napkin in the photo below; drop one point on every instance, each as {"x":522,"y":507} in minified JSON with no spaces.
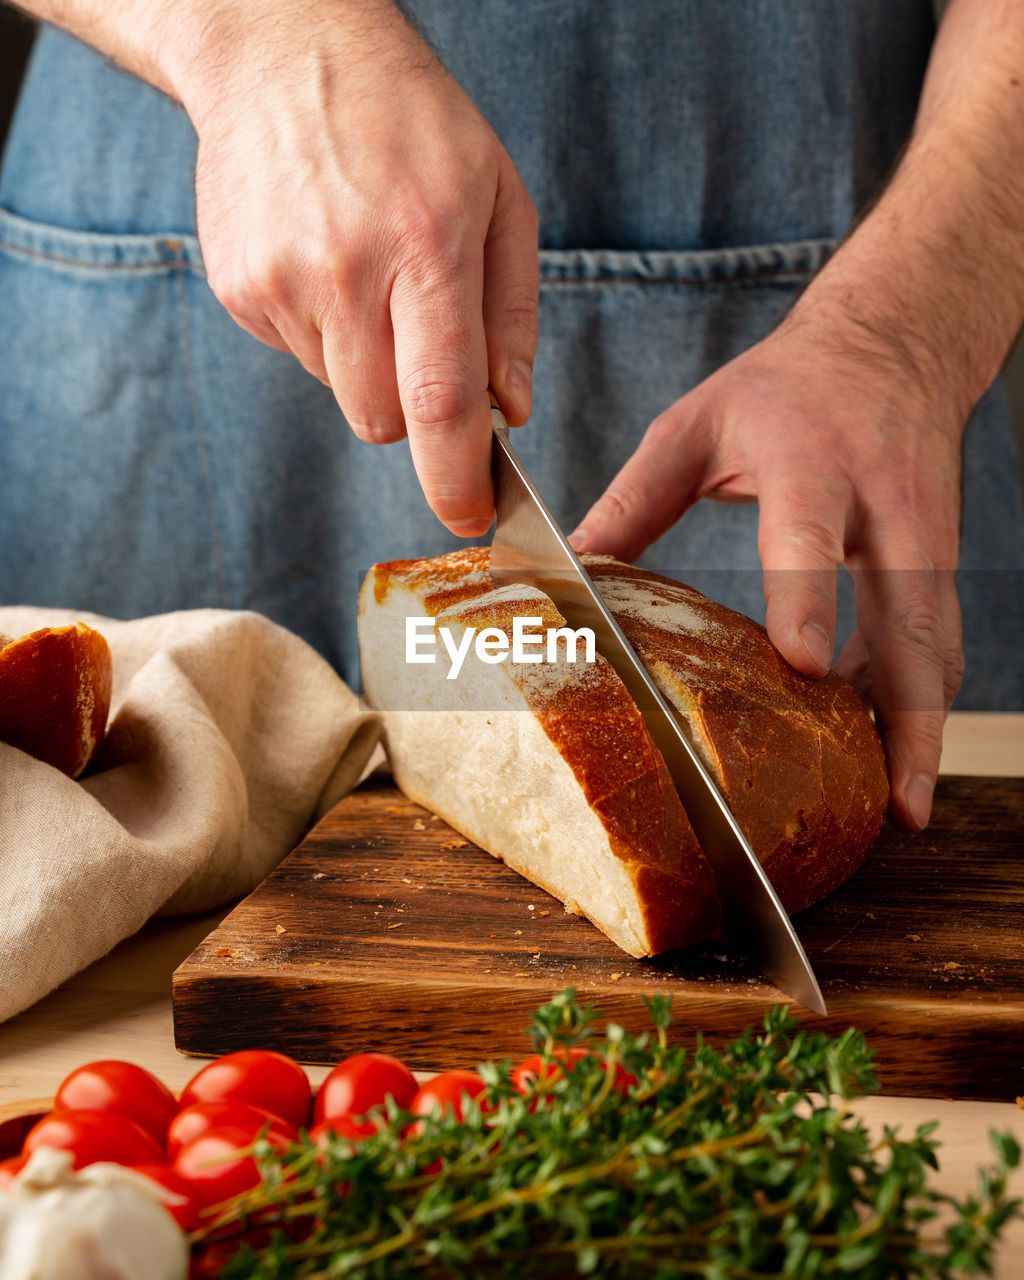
{"x":228,"y":738}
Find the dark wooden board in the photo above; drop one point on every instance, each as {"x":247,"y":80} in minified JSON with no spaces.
{"x":384,"y":929}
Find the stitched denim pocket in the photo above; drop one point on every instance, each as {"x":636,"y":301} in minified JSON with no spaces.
{"x":64,"y":250}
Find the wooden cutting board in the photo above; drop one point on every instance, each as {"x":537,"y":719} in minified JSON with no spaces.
{"x":385,"y":929}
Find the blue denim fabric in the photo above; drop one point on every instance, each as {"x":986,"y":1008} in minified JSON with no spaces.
{"x":693,"y":164}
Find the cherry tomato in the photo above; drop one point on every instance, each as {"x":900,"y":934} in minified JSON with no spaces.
{"x":534,"y":1070}
{"x":344,"y":1126}
{"x":267,"y":1079}
{"x":123,"y":1087}
{"x":191,"y":1121}
{"x":363,"y":1081}
{"x":94,"y":1135}
{"x":9,"y":1170}
{"x":215,"y":1166}
{"x":445,"y":1093}
{"x":186,"y":1212}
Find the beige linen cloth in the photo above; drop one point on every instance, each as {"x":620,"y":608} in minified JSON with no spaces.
{"x":228,"y":738}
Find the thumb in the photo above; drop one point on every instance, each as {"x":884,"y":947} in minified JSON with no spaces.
{"x":659,"y":482}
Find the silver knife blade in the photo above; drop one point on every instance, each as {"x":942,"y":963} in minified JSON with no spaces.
{"x":529,"y":547}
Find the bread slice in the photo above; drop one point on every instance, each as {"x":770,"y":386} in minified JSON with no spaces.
{"x":549,"y":767}
{"x":55,"y":687}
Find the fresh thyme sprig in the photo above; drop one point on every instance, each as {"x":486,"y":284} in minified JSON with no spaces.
{"x":734,"y":1164}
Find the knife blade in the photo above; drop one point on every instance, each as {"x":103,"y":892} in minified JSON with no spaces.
{"x":529,"y":547}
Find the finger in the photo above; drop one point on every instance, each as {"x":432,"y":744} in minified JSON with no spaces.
{"x":853,"y":664}
{"x":910,"y":619}
{"x":658,"y":483}
{"x":511,"y":289}
{"x":801,"y":542}
{"x":359,"y":355}
{"x":441,"y":367}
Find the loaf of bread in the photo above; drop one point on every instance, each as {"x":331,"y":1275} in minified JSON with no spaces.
{"x":549,"y":766}
{"x":55,"y":687}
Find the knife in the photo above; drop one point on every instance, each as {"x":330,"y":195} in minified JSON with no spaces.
{"x":529,"y":547}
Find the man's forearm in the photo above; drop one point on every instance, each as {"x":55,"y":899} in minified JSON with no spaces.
{"x":191,"y":49}
{"x":936,"y":269}
{"x":128,"y":31}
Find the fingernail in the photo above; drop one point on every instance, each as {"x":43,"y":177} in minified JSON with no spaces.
{"x":918,"y":796}
{"x":470,"y":528}
{"x":519,"y":385}
{"x":818,"y":644}
{"x":578,"y":540}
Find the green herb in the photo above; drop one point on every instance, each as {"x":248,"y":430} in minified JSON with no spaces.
{"x":733,"y":1164}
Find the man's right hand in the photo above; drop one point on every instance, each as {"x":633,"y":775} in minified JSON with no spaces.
{"x":356,"y":209}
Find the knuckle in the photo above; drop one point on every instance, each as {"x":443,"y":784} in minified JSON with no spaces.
{"x":520,"y":304}
{"x":624,"y":504}
{"x":246,"y":285}
{"x":264,"y":272}
{"x":436,"y":398}
{"x":806,"y":533}
{"x":920,"y":622}
{"x":424,"y":231}
{"x":921,"y":736}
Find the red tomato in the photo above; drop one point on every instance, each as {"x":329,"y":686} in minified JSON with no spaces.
{"x":363,"y":1081}
{"x":94,"y":1135}
{"x":527,"y":1077}
{"x":267,"y":1079}
{"x":214,"y":1166}
{"x":342,"y":1127}
{"x":185,"y":1214}
{"x":445,"y":1092}
{"x":190,"y":1122}
{"x":9,"y":1170}
{"x":123,"y":1087}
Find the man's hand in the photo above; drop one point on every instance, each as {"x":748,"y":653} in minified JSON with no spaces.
{"x":851,"y":458}
{"x":845,"y":424}
{"x":354,"y":208}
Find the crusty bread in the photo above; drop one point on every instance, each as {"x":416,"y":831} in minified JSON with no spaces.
{"x":55,"y":687}
{"x":550,"y":767}
{"x":799,"y":760}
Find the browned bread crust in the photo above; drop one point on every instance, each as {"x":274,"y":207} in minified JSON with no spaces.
{"x":798,"y":760}
{"x":55,"y":687}
{"x":592,"y":722}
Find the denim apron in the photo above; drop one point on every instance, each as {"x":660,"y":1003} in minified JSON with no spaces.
{"x":693,"y":163}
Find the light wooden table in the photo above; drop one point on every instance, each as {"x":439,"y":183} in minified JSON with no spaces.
{"x":120,"y":1008}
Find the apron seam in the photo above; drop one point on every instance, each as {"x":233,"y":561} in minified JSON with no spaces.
{"x":200,"y":438}
{"x":174,"y":264}
{"x":692,"y":282}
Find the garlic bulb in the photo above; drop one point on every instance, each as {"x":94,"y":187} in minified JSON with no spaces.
{"x":104,"y":1222}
